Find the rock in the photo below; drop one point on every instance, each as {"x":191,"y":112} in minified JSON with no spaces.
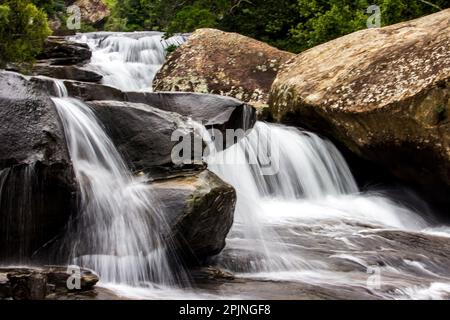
{"x":201,"y":209}
{"x":383,"y":93}
{"x":60,"y":51}
{"x":143,"y":134}
{"x":66,"y":72}
{"x":93,"y":91}
{"x":36,"y":177}
{"x":212,"y":61}
{"x":93,"y":12}
{"x":35,"y":283}
{"x":85,"y":91}
{"x":211,"y":110}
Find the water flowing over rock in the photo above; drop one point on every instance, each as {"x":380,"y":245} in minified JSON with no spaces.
{"x":212,"y":61}
{"x":221,"y":113}
{"x":143,"y":134}
{"x":383,"y":93}
{"x":128,"y":61}
{"x":201,"y":208}
{"x":36,"y":178}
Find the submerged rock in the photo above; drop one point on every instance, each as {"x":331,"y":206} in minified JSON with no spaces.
{"x":383,"y":93}
{"x":201,"y":209}
{"x":36,"y":177}
{"x":212,"y":61}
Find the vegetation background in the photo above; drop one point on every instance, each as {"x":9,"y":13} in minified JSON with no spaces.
{"x":292,"y":25}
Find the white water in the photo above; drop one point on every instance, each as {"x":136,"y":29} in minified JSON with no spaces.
{"x":312,"y":183}
{"x":298,"y":225}
{"x":119,"y":231}
{"x":311,"y":198}
{"x":128,"y":61}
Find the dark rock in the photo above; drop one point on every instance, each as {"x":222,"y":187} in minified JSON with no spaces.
{"x":143,"y":134}
{"x":90,"y":91}
{"x":201,"y":208}
{"x":81,"y":90}
{"x":60,"y":51}
{"x":212,"y":110}
{"x":36,"y":177}
{"x":38,"y":283}
{"x":66,"y":72}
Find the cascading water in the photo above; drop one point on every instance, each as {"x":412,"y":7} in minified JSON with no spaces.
{"x":119,"y":231}
{"x":128,"y":61}
{"x":307,"y":217}
{"x":300,"y":216}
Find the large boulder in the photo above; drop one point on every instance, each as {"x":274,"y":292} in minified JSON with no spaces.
{"x":383,"y":93}
{"x":36,"y":177}
{"x":34,"y":283}
{"x":200,"y":211}
{"x":93,"y":12}
{"x":143,"y":135}
{"x":213,"y":111}
{"x":66,"y":72}
{"x":212,"y":61}
{"x":60,"y":51}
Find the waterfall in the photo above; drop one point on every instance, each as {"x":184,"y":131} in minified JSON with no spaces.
{"x":128,"y":61}
{"x":119,"y":230}
{"x":309,"y":183}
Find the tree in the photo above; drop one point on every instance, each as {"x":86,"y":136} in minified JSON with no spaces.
{"x":23,"y":30}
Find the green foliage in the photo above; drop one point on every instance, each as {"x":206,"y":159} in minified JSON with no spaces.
{"x":192,"y":17}
{"x":324,"y":20}
{"x":293,"y":25}
{"x":171,"y":48}
{"x":23,"y":30}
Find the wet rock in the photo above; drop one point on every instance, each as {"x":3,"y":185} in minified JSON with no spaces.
{"x":143,"y":135}
{"x":229,"y":64}
{"x":211,"y":110}
{"x":66,"y":72}
{"x":200,"y":212}
{"x":42,"y":283}
{"x":36,"y":177}
{"x":92,"y":91}
{"x":60,"y":51}
{"x":384,"y":94}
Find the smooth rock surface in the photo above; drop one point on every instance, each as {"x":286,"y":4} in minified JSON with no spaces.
{"x":36,"y":177}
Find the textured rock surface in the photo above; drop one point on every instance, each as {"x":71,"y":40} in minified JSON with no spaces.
{"x":383,"y":93}
{"x":201,"y":209}
{"x":36,"y":178}
{"x":42,"y":283}
{"x":212,"y":61}
{"x":60,"y":51}
{"x":93,"y":11}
